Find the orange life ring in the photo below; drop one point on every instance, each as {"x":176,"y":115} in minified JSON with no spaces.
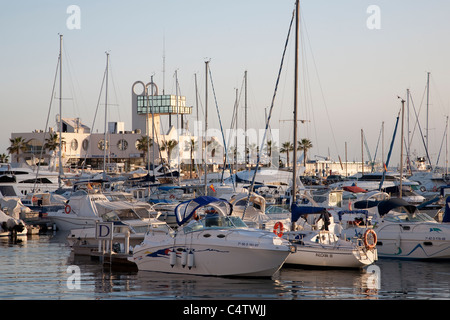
{"x":278,"y":229}
{"x":67,"y":209}
{"x":370,"y":239}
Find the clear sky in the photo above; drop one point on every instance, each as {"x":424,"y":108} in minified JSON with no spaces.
{"x":350,"y":74}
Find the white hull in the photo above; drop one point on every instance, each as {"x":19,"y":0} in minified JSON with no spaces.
{"x":432,"y":243}
{"x":215,"y":253}
{"x":336,"y":258}
{"x":65,"y":222}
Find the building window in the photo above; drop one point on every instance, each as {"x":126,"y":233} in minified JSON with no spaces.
{"x":74,"y":144}
{"x":85,"y":144}
{"x":101,"y":145}
{"x":122,"y":144}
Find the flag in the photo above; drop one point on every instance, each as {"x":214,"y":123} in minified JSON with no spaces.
{"x":212,"y":188}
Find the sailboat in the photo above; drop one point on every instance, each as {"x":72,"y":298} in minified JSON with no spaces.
{"x":316,"y":246}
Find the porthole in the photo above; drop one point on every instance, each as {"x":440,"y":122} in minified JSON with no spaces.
{"x":85,"y":144}
{"x":74,"y":144}
{"x":122,"y":144}
{"x":101,"y":145}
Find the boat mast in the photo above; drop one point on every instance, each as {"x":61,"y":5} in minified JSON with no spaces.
{"x":428,"y":102}
{"x":294,"y":169}
{"x":246,"y":153}
{"x":106,"y":116}
{"x":206,"y":124}
{"x":401,"y":151}
{"x":60,"y":112}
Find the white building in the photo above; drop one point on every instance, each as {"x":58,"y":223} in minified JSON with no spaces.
{"x":81,"y":146}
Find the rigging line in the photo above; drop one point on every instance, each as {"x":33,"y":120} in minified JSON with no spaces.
{"x":114,"y":89}
{"x":320,"y":85}
{"x":46,"y":124}
{"x":250,"y":190}
{"x":417,"y":116}
{"x":442,"y":143}
{"x":93,"y":121}
{"x":73,"y":79}
{"x":220,"y":123}
{"x":420,"y":129}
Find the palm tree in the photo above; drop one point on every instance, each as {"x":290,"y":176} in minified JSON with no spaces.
{"x":192,"y":145}
{"x":4,"y":158}
{"x":17,"y":144}
{"x":52,"y":144}
{"x":286,"y":148}
{"x":143,"y":144}
{"x":305,"y":145}
{"x":270,"y":147}
{"x":169,"y":146}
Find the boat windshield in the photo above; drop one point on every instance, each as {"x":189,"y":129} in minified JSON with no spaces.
{"x":408,"y":217}
{"x":119,"y":215}
{"x":215,"y":222}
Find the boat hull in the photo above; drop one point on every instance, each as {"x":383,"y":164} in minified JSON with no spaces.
{"x":215,"y":253}
{"x":319,"y":256}
{"x":66,"y":222}
{"x":414,"y":241}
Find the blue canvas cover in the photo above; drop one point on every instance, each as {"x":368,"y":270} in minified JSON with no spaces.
{"x":185,"y":210}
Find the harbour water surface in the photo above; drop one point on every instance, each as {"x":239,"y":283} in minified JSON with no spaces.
{"x":43,"y":268}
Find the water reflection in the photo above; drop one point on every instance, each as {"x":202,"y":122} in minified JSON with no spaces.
{"x":37,"y":269}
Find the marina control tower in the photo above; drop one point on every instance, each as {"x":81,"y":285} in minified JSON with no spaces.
{"x":146,"y":103}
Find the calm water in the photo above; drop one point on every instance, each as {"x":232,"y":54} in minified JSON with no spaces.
{"x":37,"y":269}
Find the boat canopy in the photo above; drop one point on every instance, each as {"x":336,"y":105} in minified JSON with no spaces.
{"x":298,"y":211}
{"x":388,"y":205}
{"x":365,"y":204}
{"x":186,"y":209}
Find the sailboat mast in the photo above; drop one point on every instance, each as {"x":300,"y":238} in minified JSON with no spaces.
{"x":401,"y":151}
{"x":106,"y":116}
{"x":294,"y":169}
{"x":428,"y":101}
{"x":206,"y":125}
{"x":60,"y":167}
{"x":246,"y":153}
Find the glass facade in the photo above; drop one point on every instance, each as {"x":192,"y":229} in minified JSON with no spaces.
{"x":163,"y":104}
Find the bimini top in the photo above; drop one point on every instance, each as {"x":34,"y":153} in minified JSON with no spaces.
{"x":388,"y":205}
{"x":298,"y":211}
{"x":186,"y":209}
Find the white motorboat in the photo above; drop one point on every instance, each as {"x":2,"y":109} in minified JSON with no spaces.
{"x":80,"y":211}
{"x":12,"y":227}
{"x":405,"y":232}
{"x":216,"y":244}
{"x":323,"y":247}
{"x":84,"y":209}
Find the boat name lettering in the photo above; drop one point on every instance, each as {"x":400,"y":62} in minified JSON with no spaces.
{"x":248,"y":244}
{"x":324,"y":255}
{"x":435,"y":238}
{"x":97,"y":198}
